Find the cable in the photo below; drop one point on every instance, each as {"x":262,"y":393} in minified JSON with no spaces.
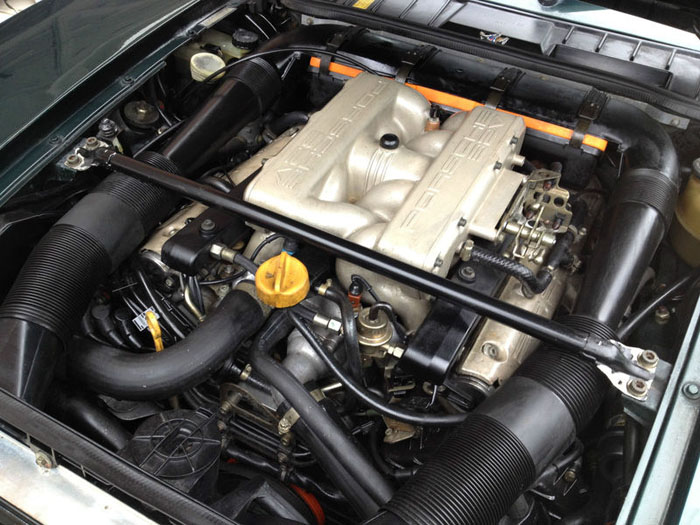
{"x":400,"y":414}
{"x":634,"y":320}
{"x":158,"y":304}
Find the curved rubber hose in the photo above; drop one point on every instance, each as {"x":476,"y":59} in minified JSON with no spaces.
{"x":323,"y":427}
{"x":350,"y":338}
{"x":537,"y":283}
{"x":158,"y":375}
{"x":89,"y":416}
{"x":365,"y":396}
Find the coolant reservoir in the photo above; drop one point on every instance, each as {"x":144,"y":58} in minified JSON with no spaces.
{"x":685,"y":231}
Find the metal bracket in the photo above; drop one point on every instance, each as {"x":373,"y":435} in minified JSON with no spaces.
{"x":503,"y":81}
{"x":82,"y":157}
{"x":409,"y":61}
{"x":333,"y":45}
{"x":588,"y":111}
{"x":624,"y":371}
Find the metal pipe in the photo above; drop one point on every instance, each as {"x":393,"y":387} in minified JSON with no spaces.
{"x":544,"y":329}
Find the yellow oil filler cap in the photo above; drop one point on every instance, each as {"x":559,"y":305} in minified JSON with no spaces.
{"x":282,"y":281}
{"x":685,"y":230}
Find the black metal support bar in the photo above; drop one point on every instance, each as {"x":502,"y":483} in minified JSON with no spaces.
{"x":546,"y":330}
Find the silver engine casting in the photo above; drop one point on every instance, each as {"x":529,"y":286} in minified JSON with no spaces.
{"x":417,"y":201}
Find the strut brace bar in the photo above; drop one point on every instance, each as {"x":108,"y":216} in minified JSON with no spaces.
{"x":605,"y":352}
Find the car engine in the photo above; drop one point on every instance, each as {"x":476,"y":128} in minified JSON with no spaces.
{"x":303,"y":279}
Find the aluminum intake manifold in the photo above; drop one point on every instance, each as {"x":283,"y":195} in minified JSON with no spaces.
{"x":365,"y":168}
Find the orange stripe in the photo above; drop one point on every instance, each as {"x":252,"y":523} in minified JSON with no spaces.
{"x":465,"y":104}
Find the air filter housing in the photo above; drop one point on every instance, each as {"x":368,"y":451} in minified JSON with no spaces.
{"x":182,"y":448}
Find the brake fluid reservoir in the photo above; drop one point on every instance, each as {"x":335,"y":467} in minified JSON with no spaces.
{"x":685,"y":231}
{"x":203,"y":65}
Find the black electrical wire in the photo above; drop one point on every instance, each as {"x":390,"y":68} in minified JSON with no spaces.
{"x":381,"y":406}
{"x":194,"y":287}
{"x":631,"y":324}
{"x":158,"y":304}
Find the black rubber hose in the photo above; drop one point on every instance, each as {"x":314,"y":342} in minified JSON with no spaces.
{"x":558,"y":254}
{"x":366,"y":397}
{"x":362,"y":498}
{"x":399,"y":474}
{"x":350,"y":338}
{"x":324,"y":428}
{"x":88,"y":415}
{"x":536,"y":282}
{"x":187,"y":363}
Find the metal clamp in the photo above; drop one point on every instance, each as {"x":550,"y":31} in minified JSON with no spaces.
{"x":409,"y":61}
{"x":588,"y":111}
{"x":333,"y":45}
{"x":503,"y":81}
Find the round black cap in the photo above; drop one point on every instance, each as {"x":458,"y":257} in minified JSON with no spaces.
{"x":389,"y":141}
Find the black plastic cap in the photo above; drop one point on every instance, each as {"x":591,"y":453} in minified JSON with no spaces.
{"x":389,"y":141}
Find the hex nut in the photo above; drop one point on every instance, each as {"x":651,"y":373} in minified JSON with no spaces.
{"x":662,"y":315}
{"x":44,"y":460}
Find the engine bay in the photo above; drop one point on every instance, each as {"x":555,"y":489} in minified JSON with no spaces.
{"x":302,"y":279}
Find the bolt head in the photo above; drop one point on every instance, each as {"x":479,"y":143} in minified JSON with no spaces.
{"x":207,"y":226}
{"x":490,"y":350}
{"x":636,"y":387}
{"x":467,"y":274}
{"x":570,"y":476}
{"x":648,"y":359}
{"x":692,"y":390}
{"x":72,"y":160}
{"x":662,"y":315}
{"x":44,"y":460}
{"x":91,"y":142}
